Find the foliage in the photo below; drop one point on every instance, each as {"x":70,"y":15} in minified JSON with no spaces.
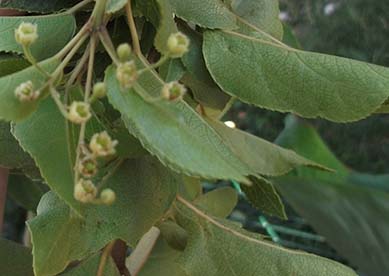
{"x":123,"y":151}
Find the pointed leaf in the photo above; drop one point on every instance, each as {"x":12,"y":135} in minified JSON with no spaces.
{"x":54,"y":32}
{"x":272,"y":75}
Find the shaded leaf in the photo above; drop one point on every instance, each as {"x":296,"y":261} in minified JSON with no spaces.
{"x":272,"y":75}
{"x":54,"y":32}
{"x":211,"y":14}
{"x":90,"y":267}
{"x":42,"y":6}
{"x":220,"y":202}
{"x":10,"y":64}
{"x":15,"y":259}
{"x":172,"y":70}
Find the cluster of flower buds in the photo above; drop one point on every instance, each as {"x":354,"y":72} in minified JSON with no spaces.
{"x":127,"y":74}
{"x":177,"y":45}
{"x":102,"y":145}
{"x":85,"y":191}
{"x":25,"y":92}
{"x":26,"y":34}
{"x":173,"y":91}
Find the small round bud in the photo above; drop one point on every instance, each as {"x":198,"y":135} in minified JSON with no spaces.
{"x":87,"y":167}
{"x":124,"y":52}
{"x":85,"y":191}
{"x":101,"y":144}
{"x":25,"y":92}
{"x":173,"y":91}
{"x":79,"y":112}
{"x":178,"y":45}
{"x":127,"y":74}
{"x":26,"y":34}
{"x":108,"y":196}
{"x":99,"y":90}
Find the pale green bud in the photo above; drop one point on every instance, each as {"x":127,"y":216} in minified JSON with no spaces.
{"x":173,"y":91}
{"x":124,"y":52}
{"x":25,"y":92}
{"x":79,"y":112}
{"x":26,"y":34}
{"x":85,"y":191}
{"x":102,"y":145}
{"x":178,"y":45}
{"x":127,"y":74}
{"x":108,"y":196}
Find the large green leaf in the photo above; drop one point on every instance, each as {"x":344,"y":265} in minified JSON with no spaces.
{"x":211,"y":14}
{"x":145,"y":191}
{"x":269,"y":74}
{"x":54,"y":32}
{"x":38,"y":5}
{"x":15,"y":259}
{"x":349,"y":209}
{"x":90,"y":267}
{"x":11,"y":109}
{"x":174,"y":132}
{"x":218,"y":247}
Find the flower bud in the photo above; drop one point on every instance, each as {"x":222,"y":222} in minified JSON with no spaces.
{"x":101,"y":144}
{"x":79,"y":112}
{"x":178,"y":45}
{"x":85,"y":191}
{"x":25,"y":92}
{"x":173,"y":91}
{"x":26,"y":34}
{"x":99,"y":90}
{"x":124,"y":52}
{"x":108,"y":196}
{"x":127,"y":74}
{"x":87,"y":167}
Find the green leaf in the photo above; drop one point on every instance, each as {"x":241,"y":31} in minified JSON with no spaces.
{"x":218,"y":247}
{"x":11,"y":109}
{"x":172,"y":70}
{"x":11,"y":64}
{"x":212,"y":14}
{"x":263,"y":196}
{"x":25,"y":192}
{"x":144,"y":190}
{"x":261,"y":156}
{"x":15,"y":259}
{"x":349,"y":209}
{"x":54,"y":32}
{"x":191,"y":188}
{"x":220,"y":202}
{"x":160,"y":14}
{"x":114,"y":6}
{"x":90,"y":267}
{"x":174,"y":132}
{"x":173,"y":234}
{"x":269,"y":74}
{"x":42,"y":6}
{"x":260,"y":13}
{"x":162,"y":262}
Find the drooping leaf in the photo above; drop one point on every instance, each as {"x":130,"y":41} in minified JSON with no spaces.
{"x":349,"y":209}
{"x":173,"y":132}
{"x":42,"y":6}
{"x":160,"y":14}
{"x":269,"y":74}
{"x":144,"y":190}
{"x":212,"y":14}
{"x":220,"y":202}
{"x":15,"y":259}
{"x":10,"y":64}
{"x":263,"y":196}
{"x":54,"y":32}
{"x":218,"y":247}
{"x":25,"y":192}
{"x":11,"y":109}
{"x":90,"y":267}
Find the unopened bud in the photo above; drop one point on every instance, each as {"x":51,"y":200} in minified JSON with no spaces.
{"x":87,"y":167}
{"x":178,"y":45}
{"x":25,"y":92}
{"x":79,"y":112}
{"x":173,"y":91}
{"x":102,"y":145}
{"x":85,"y":191}
{"x":26,"y":34}
{"x":127,"y":74}
{"x":124,"y":52}
{"x":99,"y":90}
{"x":108,"y":196}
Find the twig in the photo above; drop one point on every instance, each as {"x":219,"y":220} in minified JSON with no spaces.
{"x":79,"y":6}
{"x":104,"y":256}
{"x":134,"y":32}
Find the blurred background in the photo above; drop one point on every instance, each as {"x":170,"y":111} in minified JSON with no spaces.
{"x":344,"y":216}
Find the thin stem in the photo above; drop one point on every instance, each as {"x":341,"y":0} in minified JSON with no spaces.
{"x":3,"y":193}
{"x":104,"y":257}
{"x":98,"y":12}
{"x":159,"y":63}
{"x":57,"y":99}
{"x":28,"y":55}
{"x":142,"y":251}
{"x":134,"y":32}
{"x":79,"y":6}
{"x":108,"y":45}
